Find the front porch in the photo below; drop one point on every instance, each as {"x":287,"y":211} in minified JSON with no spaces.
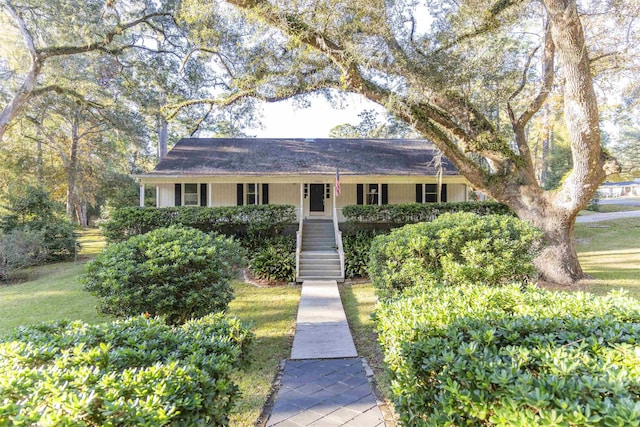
{"x":314,"y":198}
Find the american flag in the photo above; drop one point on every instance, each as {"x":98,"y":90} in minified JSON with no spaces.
{"x":337,"y":186}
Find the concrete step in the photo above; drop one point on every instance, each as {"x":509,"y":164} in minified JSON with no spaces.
{"x":328,"y":254}
{"x":317,"y":234}
{"x":303,"y":278}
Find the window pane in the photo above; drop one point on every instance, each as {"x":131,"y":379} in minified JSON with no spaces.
{"x":431,"y":193}
{"x":251,"y":199}
{"x":191,"y":195}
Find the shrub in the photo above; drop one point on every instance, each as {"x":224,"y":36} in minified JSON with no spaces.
{"x":356,"y":251}
{"x":275,"y":260}
{"x":258,"y":221}
{"x":180,"y":273}
{"x":411,"y":213}
{"x":32,"y":211}
{"x":454,"y":248}
{"x":133,"y":372}
{"x":481,"y":356}
{"x":20,"y":248}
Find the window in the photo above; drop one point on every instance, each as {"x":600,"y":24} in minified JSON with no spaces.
{"x":191,"y":195}
{"x":430,"y":193}
{"x":372,"y":194}
{"x":252,"y":194}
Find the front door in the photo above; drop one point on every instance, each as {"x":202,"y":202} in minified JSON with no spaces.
{"x":316,"y":195}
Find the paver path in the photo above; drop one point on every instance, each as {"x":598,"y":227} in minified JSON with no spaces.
{"x":324,"y":383}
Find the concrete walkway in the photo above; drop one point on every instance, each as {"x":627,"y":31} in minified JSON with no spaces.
{"x":324,"y":383}
{"x":322,"y":331}
{"x":597,"y":217}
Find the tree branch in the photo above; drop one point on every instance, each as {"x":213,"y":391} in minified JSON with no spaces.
{"x":64,"y":91}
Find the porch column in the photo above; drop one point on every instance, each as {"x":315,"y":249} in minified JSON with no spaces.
{"x":301,"y":201}
{"x":210,"y":190}
{"x":379,"y":194}
{"x":142,"y":195}
{"x":157,"y":196}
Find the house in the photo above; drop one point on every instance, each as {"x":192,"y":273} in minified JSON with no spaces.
{"x":303,"y":173}
{"x":620,"y":189}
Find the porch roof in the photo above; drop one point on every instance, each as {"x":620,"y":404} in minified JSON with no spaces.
{"x":277,"y":157}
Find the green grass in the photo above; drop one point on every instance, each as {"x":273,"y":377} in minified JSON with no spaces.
{"x":272,"y":312}
{"x":610,"y":252}
{"x":613,"y":208}
{"x":55,"y":294}
{"x":91,"y":242}
{"x":359,"y":301}
{"x":51,"y":292}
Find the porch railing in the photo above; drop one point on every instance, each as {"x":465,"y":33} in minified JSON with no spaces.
{"x":338,"y":234}
{"x":299,"y":242}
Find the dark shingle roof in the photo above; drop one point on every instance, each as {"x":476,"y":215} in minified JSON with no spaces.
{"x":261,"y":156}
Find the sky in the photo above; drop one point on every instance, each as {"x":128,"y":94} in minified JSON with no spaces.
{"x":286,"y":120}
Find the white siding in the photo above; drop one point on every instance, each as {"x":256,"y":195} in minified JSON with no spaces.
{"x":224,"y":195}
{"x":284,"y":194}
{"x":456,"y":192}
{"x":166,"y":195}
{"x":402,"y":193}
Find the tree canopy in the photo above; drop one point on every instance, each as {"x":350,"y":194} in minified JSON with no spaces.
{"x":469,"y":75}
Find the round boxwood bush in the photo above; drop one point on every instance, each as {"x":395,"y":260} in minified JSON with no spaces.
{"x":454,"y":249}
{"x":135,"y":372}
{"x":179,"y":273}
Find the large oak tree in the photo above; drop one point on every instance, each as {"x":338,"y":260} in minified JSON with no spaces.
{"x":469,"y":75}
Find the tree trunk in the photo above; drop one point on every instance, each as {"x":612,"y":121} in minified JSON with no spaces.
{"x":72,"y":170}
{"x":24,"y":93}
{"x":163,"y":136}
{"x":558,"y":260}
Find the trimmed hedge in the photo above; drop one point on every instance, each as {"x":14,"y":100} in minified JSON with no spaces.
{"x":502,"y":356}
{"x":180,"y":273}
{"x":411,"y":213}
{"x":260,"y":220}
{"x":138,"y":371}
{"x":453,"y":249}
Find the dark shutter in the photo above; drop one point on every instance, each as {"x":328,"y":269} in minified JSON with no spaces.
{"x":203,"y":194}
{"x":418,"y":193}
{"x":240,"y":194}
{"x":385,"y":194}
{"x":265,"y":194}
{"x":360,"y":194}
{"x":443,"y":193}
{"x":178,"y":193}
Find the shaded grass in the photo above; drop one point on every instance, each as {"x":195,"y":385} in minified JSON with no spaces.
{"x":359,"y":301}
{"x":55,"y":294}
{"x":91,"y":242}
{"x":610,"y":252}
{"x":272,"y":313}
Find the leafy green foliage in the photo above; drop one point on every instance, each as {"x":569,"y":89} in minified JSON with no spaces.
{"x":356,"y":251}
{"x":32,"y":211}
{"x":411,"y":213}
{"x":503,"y":356}
{"x":275,"y":260}
{"x":139,"y":371}
{"x":258,"y":221}
{"x":456,"y":249}
{"x":180,"y":273}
